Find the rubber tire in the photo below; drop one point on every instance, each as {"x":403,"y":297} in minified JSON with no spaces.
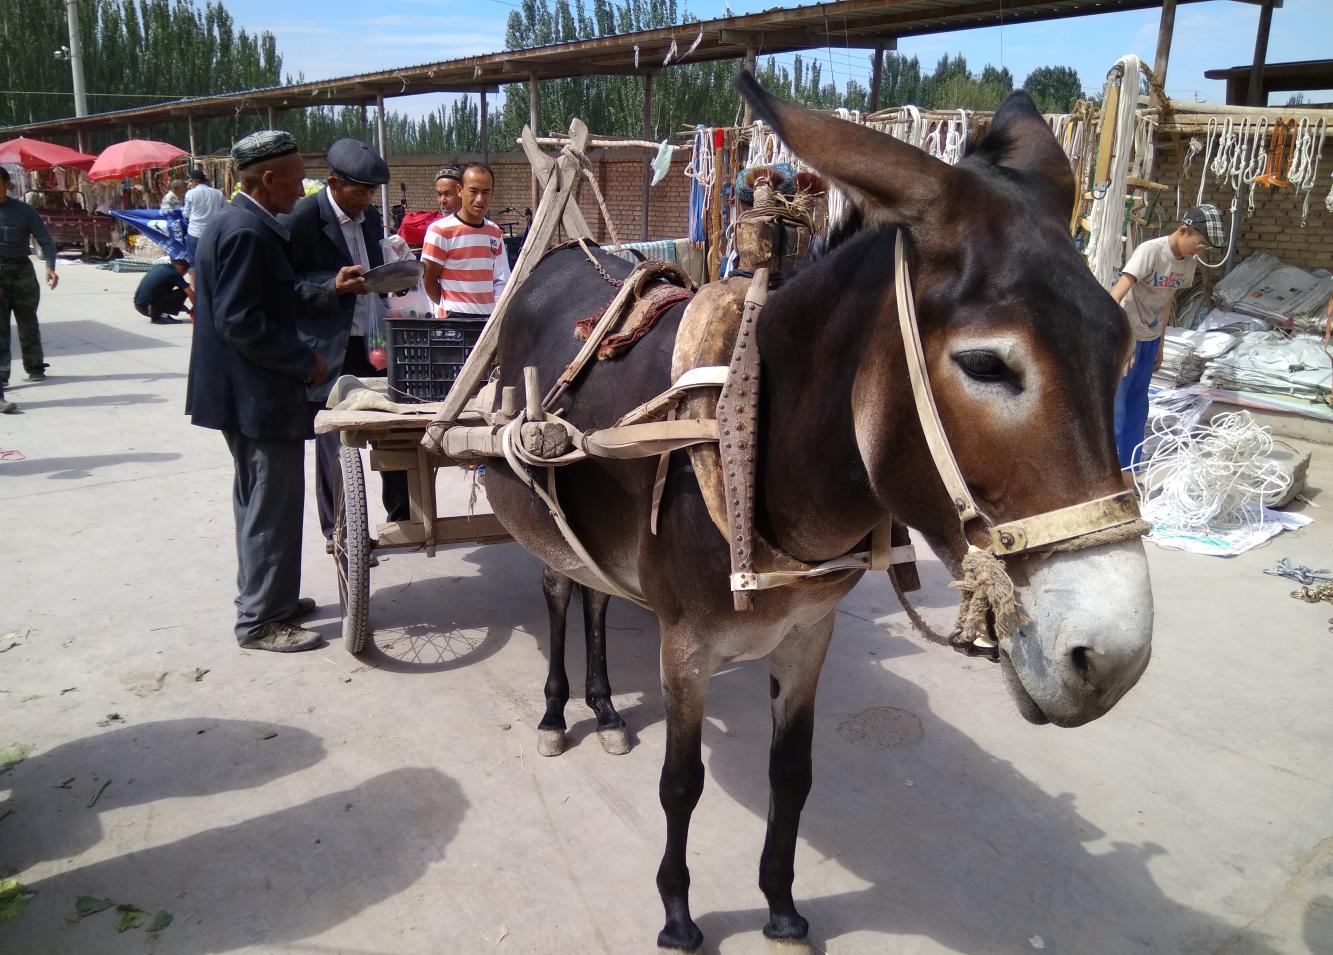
{"x":351,"y":551}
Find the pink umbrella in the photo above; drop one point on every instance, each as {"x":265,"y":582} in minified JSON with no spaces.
{"x":35,"y":154}
{"x":132,"y":157}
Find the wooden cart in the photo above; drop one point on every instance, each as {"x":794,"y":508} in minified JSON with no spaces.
{"x":394,"y":441}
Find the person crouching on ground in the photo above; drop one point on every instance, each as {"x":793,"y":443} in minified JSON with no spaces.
{"x":1158,"y":269}
{"x":164,"y":292}
{"x":249,"y":371}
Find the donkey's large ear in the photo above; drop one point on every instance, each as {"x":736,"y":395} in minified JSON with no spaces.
{"x":1019,"y":139}
{"x":875,"y":169}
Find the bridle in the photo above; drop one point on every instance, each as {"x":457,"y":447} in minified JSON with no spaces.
{"x":989,"y":600}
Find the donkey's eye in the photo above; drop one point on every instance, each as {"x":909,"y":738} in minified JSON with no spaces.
{"x":982,"y":365}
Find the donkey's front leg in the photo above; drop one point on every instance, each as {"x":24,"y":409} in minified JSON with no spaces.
{"x":610,"y":727}
{"x":558,"y":589}
{"x":685,"y":675}
{"x":793,"y":674}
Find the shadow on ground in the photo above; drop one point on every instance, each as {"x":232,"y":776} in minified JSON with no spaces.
{"x":95,"y":401}
{"x":952,"y":843}
{"x":269,"y":881}
{"x":49,"y":792}
{"x":72,"y":468}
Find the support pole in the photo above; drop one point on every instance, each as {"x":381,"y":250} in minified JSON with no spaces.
{"x":749,"y":68}
{"x":76,"y":58}
{"x":647,"y":159}
{"x":81,"y":142}
{"x":189,"y":125}
{"x":270,"y":117}
{"x":129,"y":131}
{"x":485,"y":135}
{"x":876,"y":74}
{"x":363,"y":122}
{"x":1159,"y":63}
{"x":384,"y":188}
{"x":533,"y":105}
{"x":1257,"y":95}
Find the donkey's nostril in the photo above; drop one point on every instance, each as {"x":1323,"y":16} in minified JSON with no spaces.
{"x":1080,"y":660}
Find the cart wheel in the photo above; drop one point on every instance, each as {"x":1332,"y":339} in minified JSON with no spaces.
{"x":351,"y":551}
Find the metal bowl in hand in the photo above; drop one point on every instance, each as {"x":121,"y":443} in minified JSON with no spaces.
{"x":393,"y":276}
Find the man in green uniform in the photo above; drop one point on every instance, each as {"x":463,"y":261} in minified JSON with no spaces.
{"x":19,"y":291}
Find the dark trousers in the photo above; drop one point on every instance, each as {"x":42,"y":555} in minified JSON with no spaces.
{"x":268,"y":497}
{"x":328,"y":473}
{"x":169,"y":303}
{"x":20,"y":293}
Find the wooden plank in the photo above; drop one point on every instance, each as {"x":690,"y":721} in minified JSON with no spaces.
{"x":477,"y":529}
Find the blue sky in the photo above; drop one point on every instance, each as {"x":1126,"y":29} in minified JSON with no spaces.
{"x":340,"y":37}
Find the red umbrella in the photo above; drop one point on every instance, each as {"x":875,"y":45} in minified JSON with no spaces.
{"x":133,"y":157}
{"x":35,"y":154}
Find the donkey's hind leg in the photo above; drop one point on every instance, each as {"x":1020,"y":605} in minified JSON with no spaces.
{"x":610,"y":727}
{"x":558,"y":589}
{"x":793,"y":675}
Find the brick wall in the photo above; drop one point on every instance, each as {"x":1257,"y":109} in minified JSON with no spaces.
{"x":619,"y":176}
{"x":1276,"y":224}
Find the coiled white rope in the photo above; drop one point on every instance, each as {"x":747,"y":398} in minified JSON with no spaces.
{"x":1211,"y":478}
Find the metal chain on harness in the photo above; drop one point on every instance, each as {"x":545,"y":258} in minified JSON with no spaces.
{"x":615,"y":283}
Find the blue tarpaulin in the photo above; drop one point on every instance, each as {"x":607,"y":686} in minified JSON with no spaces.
{"x":167,"y":229}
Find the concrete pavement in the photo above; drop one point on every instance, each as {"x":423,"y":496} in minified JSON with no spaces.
{"x":395,"y":805}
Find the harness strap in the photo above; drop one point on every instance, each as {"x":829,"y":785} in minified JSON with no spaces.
{"x":927,"y":411}
{"x":1053,"y":528}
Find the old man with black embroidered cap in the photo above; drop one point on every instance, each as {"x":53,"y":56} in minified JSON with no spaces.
{"x":337,"y":227}
{"x":248,"y":376}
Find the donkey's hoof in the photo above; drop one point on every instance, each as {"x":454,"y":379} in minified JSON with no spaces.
{"x":615,"y":742}
{"x":550,"y":742}
{"x":790,"y":946}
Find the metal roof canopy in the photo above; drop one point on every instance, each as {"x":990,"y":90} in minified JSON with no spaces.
{"x":861,"y":24}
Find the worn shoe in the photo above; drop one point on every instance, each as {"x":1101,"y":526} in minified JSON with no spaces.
{"x":165,"y":320}
{"x":7,"y":407}
{"x":304,"y":608}
{"x":39,"y":374}
{"x":284,"y":638}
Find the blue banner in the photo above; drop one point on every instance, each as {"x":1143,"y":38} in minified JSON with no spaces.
{"x":167,"y":229}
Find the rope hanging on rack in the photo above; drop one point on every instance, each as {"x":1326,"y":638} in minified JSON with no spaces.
{"x":1106,"y":253}
{"x":1305,"y":155}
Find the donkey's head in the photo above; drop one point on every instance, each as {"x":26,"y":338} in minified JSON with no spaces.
{"x":1024,"y":350}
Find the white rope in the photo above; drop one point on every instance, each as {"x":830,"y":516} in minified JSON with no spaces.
{"x":1305,"y":155}
{"x":700,"y":166}
{"x":1211,"y":478}
{"x":1106,"y":253}
{"x":1195,"y":147}
{"x":1210,"y":141}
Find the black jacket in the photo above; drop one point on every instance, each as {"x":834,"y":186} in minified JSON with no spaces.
{"x":318,"y":251}
{"x":248,"y":366}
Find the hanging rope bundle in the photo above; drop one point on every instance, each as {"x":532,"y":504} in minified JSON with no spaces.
{"x":987,"y":592}
{"x":1210,"y":478}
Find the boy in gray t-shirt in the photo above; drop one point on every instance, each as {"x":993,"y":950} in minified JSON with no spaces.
{"x":1157,"y":270}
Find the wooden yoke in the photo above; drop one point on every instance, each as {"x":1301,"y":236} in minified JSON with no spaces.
{"x":554,"y":210}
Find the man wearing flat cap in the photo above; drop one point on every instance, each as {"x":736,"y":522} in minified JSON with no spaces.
{"x":335,"y":228}
{"x":249,"y":370}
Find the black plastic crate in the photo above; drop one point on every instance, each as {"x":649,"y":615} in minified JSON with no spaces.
{"x":426,"y":355}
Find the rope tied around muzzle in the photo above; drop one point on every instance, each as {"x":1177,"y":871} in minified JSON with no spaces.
{"x":987,"y":594}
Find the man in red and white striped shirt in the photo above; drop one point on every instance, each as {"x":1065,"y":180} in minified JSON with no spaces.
{"x":466,"y":267}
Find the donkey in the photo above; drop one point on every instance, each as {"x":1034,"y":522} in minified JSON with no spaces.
{"x":1023,"y":349}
